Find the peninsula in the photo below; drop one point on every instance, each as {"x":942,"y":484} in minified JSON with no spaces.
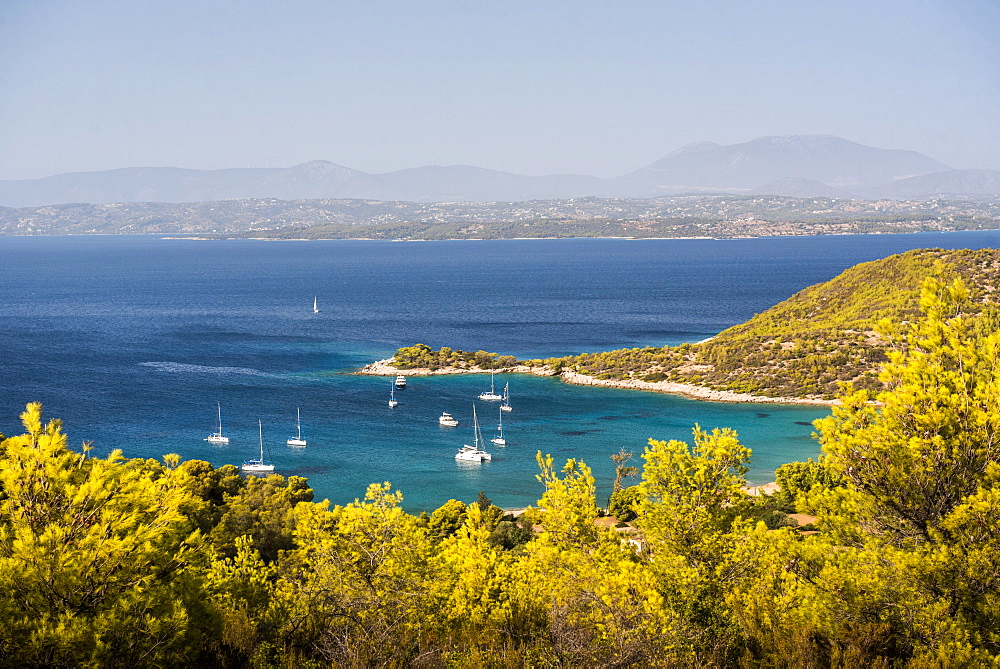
{"x":799,"y":351}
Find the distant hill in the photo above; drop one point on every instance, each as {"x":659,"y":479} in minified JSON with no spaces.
{"x":464,"y":183}
{"x":315,"y":179}
{"x":799,"y":187}
{"x":829,"y":160}
{"x":951,"y":183}
{"x":798,"y":166}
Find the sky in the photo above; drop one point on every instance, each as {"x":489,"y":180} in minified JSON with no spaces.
{"x":533,"y":87}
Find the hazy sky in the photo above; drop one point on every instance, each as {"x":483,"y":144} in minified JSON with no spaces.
{"x":532,"y":87}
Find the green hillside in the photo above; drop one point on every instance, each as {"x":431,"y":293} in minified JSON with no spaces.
{"x":801,"y":348}
{"x":820,"y":336}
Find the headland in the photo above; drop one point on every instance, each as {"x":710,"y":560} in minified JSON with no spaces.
{"x":386,"y":368}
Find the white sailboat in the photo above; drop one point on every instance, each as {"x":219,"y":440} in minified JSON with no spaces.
{"x":505,"y":404}
{"x":491,"y":395}
{"x":298,"y":440}
{"x":499,"y":440}
{"x":218,"y":437}
{"x":257,"y":465}
{"x":315,"y":305}
{"x":474,"y":453}
{"x":392,"y":396}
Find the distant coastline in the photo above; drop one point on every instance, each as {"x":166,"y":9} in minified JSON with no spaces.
{"x":691,"y":391}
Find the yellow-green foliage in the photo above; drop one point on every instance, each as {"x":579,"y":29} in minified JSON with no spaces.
{"x":95,"y":555}
{"x":421,"y":356}
{"x":111,"y":561}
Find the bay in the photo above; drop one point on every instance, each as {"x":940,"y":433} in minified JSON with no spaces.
{"x":132,"y":341}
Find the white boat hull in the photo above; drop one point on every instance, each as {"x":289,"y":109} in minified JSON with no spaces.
{"x":506,"y":407}
{"x":499,"y":441}
{"x":473,"y":456}
{"x":296,"y":442}
{"x":491,"y":397}
{"x":216,"y":439}
{"x":257,"y":466}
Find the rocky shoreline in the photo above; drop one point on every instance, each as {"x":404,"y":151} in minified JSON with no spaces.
{"x":385,"y":368}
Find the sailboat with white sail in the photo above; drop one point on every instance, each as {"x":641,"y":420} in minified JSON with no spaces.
{"x":257,"y":465}
{"x":218,"y":437}
{"x":297,"y":440}
{"x":490,"y":395}
{"x":315,"y":305}
{"x":474,"y":453}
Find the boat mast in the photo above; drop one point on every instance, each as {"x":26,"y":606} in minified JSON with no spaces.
{"x":260,"y":429}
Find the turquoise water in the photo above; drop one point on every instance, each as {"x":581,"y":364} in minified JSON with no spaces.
{"x":133,"y":340}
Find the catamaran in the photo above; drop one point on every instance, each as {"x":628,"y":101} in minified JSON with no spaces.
{"x":218,"y":437}
{"x":257,"y":464}
{"x":499,"y":440}
{"x":315,"y":305}
{"x":505,"y":405}
{"x":474,"y":453}
{"x":491,"y":395}
{"x":297,"y":440}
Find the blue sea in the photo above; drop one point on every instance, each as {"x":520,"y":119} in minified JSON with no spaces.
{"x":132,"y":341}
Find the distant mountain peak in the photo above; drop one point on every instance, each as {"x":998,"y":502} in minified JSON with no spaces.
{"x":826,"y":159}
{"x":319,"y":167}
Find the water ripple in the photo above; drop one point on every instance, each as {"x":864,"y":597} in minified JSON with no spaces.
{"x":185,"y":368}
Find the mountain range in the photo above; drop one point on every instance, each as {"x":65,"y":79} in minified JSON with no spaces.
{"x":795,"y":166}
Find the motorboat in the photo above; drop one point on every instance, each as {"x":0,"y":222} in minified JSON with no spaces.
{"x":447,"y":420}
